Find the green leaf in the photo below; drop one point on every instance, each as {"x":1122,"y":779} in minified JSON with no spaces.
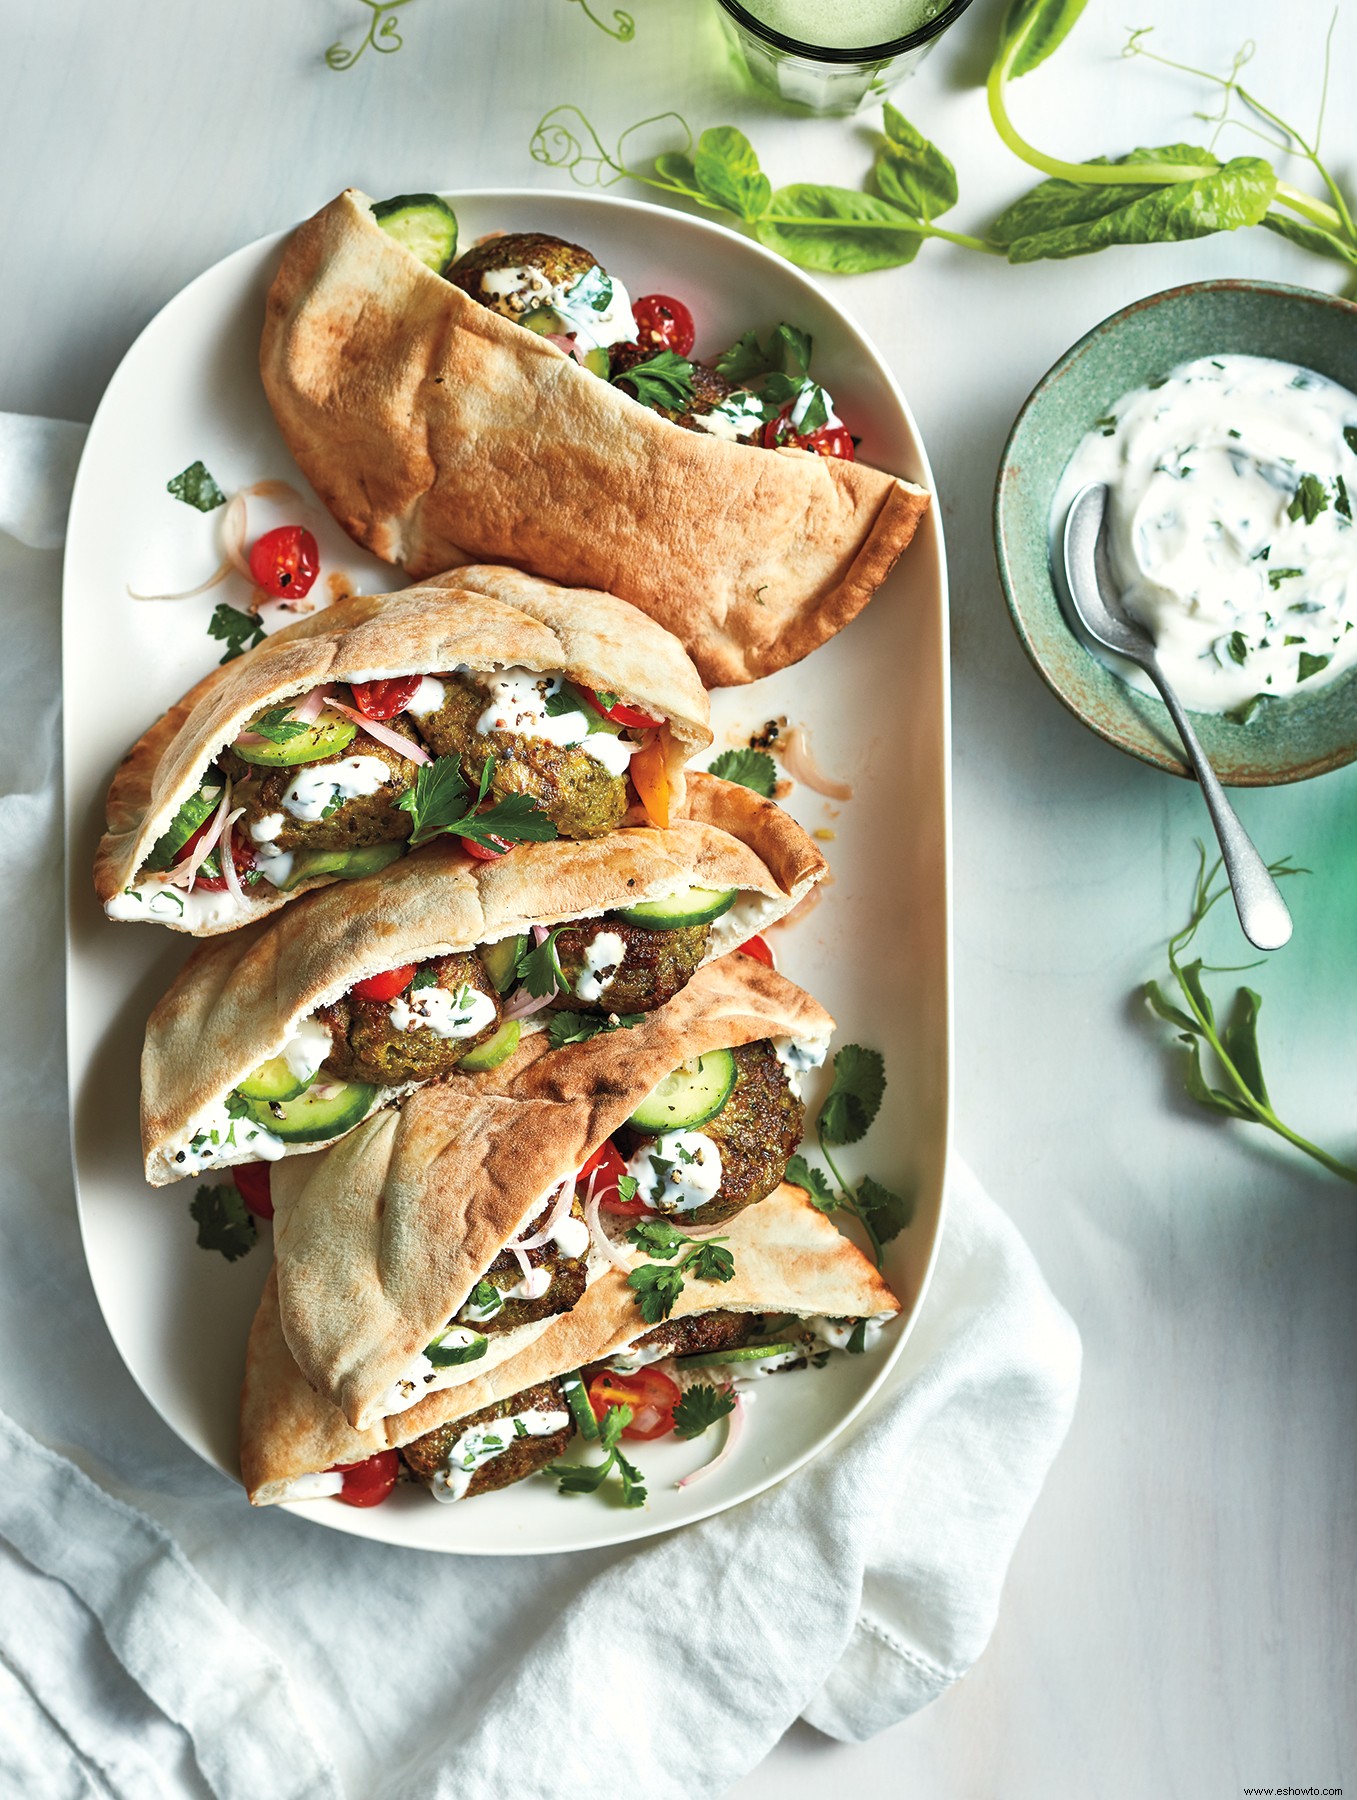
{"x":855,"y":1095}
{"x":540,"y":968}
{"x":277,"y":726}
{"x":750,"y":768}
{"x":656,"y":1288}
{"x":787,"y":352}
{"x":1202,"y":1092}
{"x":1310,"y":500}
{"x":485,"y":1296}
{"x":709,"y":1262}
{"x":1171,"y":1014}
{"x":885,"y":1213}
{"x":1191,"y":978}
{"x":673,"y":165}
{"x":1235,"y":195}
{"x":1308,"y":664}
{"x":440,"y":801}
{"x":1310,"y":237}
{"x":223,"y":1221}
{"x":657,"y":1237}
{"x":1350,"y":438}
{"x":195,"y":487}
{"x":1240,"y":1039}
{"x":577,"y":1028}
{"x":565,"y":701}
{"x":1275,"y":577}
{"x":805,"y":1175}
{"x":837,"y":230}
{"x":662,"y":380}
{"x":1039,"y":27}
{"x":700,"y":1407}
{"x":913,"y":173}
{"x":588,"y":1478}
{"x":239,"y":631}
{"x":1238,"y":646}
{"x":1342,"y":503}
{"x":728,"y":172}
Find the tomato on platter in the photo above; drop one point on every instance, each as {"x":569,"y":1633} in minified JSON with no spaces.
{"x":384,"y":699}
{"x":651,"y":1396}
{"x":386,"y":985}
{"x":758,"y":948}
{"x":242,"y":855}
{"x":285,"y":562}
{"x":252,"y":1184}
{"x":487,"y":852}
{"x":608,"y":1164}
{"x":608,"y":706}
{"x":663,"y":324}
{"x":369,"y":1482}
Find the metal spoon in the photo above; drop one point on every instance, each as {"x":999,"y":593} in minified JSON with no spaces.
{"x":1093,"y":590}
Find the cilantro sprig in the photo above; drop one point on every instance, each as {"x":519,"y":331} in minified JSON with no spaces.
{"x":658,"y":1285}
{"x":239,"y":631}
{"x":588,"y":1478}
{"x":277,"y":726}
{"x":1232,"y":1043}
{"x":578,"y":1028}
{"x":853,"y":1101}
{"x":441,"y":801}
{"x":539,"y":968}
{"x":223,"y":1222}
{"x":700,"y":1408}
{"x":665,"y":379}
{"x":753,"y":769}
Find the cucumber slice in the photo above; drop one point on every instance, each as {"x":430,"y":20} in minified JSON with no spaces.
{"x":494,"y":1050}
{"x":578,"y":1402}
{"x":500,"y":960}
{"x":690,"y":906}
{"x":745,"y":1353}
{"x":272,"y":1080}
{"x":458,"y":1344}
{"x":324,"y":1110}
{"x":195,"y":811}
{"x":346,"y":863}
{"x":426,"y":225}
{"x":330,"y":734}
{"x":547,"y":322}
{"x":689,"y":1097}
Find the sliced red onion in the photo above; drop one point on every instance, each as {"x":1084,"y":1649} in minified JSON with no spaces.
{"x":228,"y":861}
{"x":733,"y":1429}
{"x":522,"y":1005}
{"x":599,"y":1237}
{"x":415,"y":753}
{"x":206,"y":845}
{"x":276,"y":490}
{"x":223,"y":570}
{"x":801,"y":766}
{"x":521,"y":1258}
{"x":233,"y":527}
{"x":568,"y":344}
{"x":540,"y":934}
{"x":565,"y":1190}
{"x":308,"y":709}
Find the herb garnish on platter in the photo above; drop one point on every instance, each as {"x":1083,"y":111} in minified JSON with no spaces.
{"x":1231,"y":1045}
{"x":700,"y":1407}
{"x":853,"y":1101}
{"x":753,"y":769}
{"x":196,"y":488}
{"x":223,"y":1222}
{"x":239,"y":631}
{"x":588,"y":1478}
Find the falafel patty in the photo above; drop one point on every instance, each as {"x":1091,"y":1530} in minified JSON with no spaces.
{"x":580,"y":797}
{"x":366,"y":1044}
{"x":702,"y":1332}
{"x":541,"y":266}
{"x":426,"y":1456}
{"x":568,"y":1278}
{"x":364,"y":819}
{"x":655,"y":965}
{"x":710,"y":390}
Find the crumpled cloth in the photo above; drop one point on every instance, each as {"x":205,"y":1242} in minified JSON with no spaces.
{"x":157,"y":1637}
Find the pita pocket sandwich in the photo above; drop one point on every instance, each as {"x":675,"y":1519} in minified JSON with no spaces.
{"x":523,"y":712}
{"x":798,"y":1289}
{"x":435,"y":1240}
{"x":440,"y":432}
{"x":286,"y":1034}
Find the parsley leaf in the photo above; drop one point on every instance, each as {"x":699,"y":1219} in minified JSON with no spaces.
{"x":540,"y":968}
{"x":440,"y":801}
{"x":700,"y":1407}
{"x":223,"y":1222}
{"x":239,"y":631}
{"x":662,"y":380}
{"x":1311,"y":499}
{"x":1350,"y":438}
{"x":626,"y":1187}
{"x":1308,"y":664}
{"x":1342,"y":502}
{"x":578,"y":1028}
{"x":657,"y":1288}
{"x":657,"y":1237}
{"x":855,"y":1096}
{"x":588,"y":1478}
{"x":1276,"y":577}
{"x":425,"y":976}
{"x":278,"y":726}
{"x":565,"y":700}
{"x":1238,"y":646}
{"x":786,"y":352}
{"x":709,"y":1262}
{"x":803,"y":1175}
{"x":195,"y":487}
{"x":753,"y":769}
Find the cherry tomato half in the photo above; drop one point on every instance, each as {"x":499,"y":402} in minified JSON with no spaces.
{"x":757,"y":947}
{"x":651,"y":1396}
{"x":833,"y":440}
{"x":285,"y":562}
{"x":384,"y":699}
{"x":386,"y":985}
{"x":663,"y":324}
{"x":252,"y":1184}
{"x":487,"y":852}
{"x":607,"y":1162}
{"x":368,"y":1483}
{"x":620,"y":713}
{"x":242,"y":855}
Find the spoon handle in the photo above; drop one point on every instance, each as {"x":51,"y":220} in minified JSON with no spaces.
{"x":1258,"y":900}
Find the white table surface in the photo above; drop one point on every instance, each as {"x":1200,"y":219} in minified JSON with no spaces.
{"x":1179,"y":1616}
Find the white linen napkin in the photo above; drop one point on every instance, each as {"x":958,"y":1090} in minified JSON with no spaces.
{"x":159,"y":1637}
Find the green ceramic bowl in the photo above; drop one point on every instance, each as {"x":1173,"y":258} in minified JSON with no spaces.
{"x":1289,"y":740}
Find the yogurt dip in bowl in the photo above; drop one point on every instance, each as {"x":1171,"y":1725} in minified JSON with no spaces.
{"x":1223,"y":418}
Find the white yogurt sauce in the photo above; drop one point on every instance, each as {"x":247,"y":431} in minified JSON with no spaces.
{"x":835,"y":1333}
{"x":638,"y":1356}
{"x":265,"y":830}
{"x":424,"y":1377}
{"x":483,"y":1443}
{"x":592,"y":326}
{"x":154,"y":900}
{"x":447,"y":1015}
{"x":274,"y":865}
{"x":602,"y":960}
{"x":797,"y":1055}
{"x":518,"y":704}
{"x":426,"y":699}
{"x":313,"y":789}
{"x":306,"y":1049}
{"x":1232,"y":488}
{"x":314,"y":1487}
{"x":802,"y":406}
{"x":692,"y":1180}
{"x":214,"y":1134}
{"x":738,"y":415}
{"x":571,"y":1237}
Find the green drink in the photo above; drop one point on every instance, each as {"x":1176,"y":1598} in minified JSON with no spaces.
{"x":834,"y":56}
{"x":845,"y":24}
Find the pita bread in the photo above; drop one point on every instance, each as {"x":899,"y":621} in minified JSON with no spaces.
{"x":380,"y":1241}
{"x":594,"y":638}
{"x":789,"y":1258}
{"x":439,"y":433}
{"x":239,"y":997}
